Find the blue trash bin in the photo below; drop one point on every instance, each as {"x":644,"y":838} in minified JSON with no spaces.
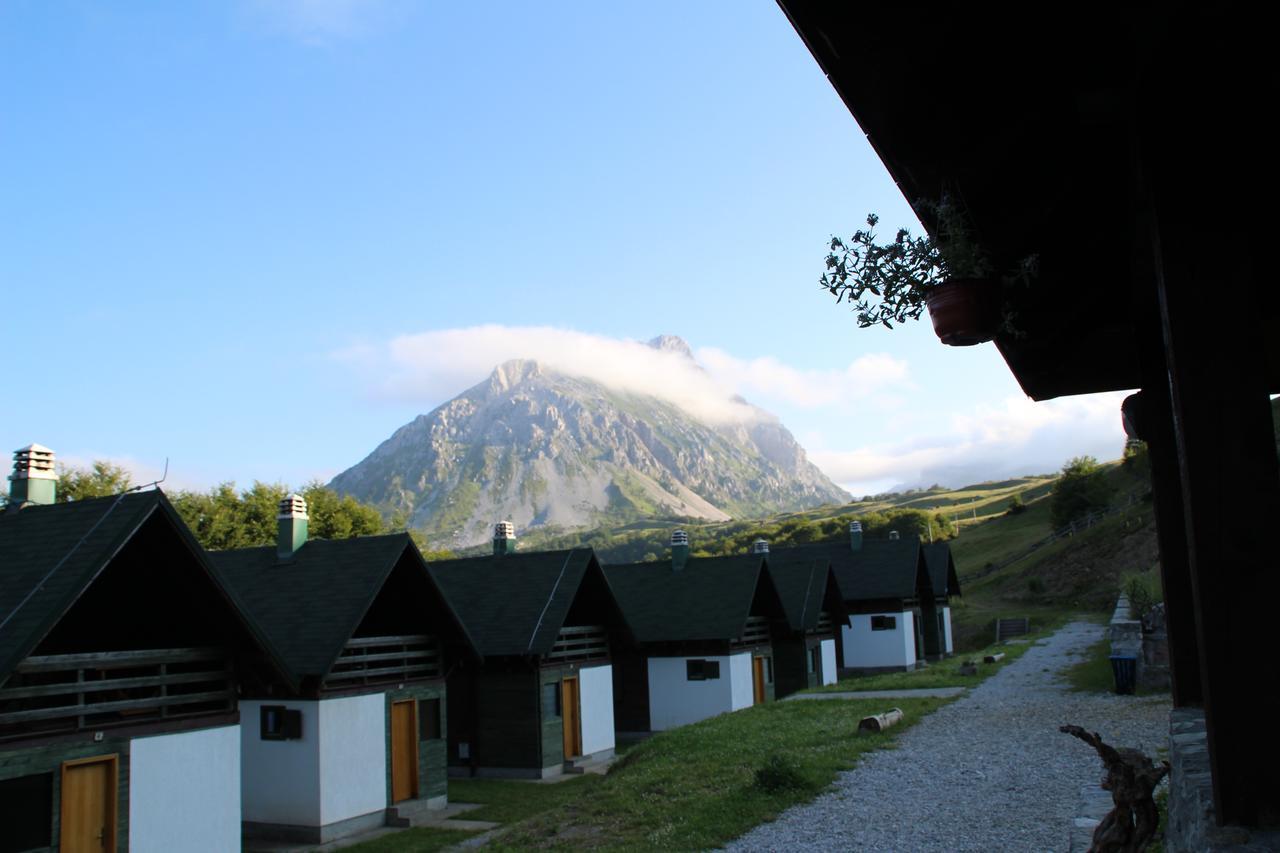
{"x":1125,"y":670}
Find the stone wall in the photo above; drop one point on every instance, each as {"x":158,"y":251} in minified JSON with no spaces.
{"x":1144,"y":640}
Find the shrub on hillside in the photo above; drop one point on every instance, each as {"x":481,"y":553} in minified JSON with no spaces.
{"x":1144,"y":593}
{"x":1082,"y":488}
{"x":1016,"y":505}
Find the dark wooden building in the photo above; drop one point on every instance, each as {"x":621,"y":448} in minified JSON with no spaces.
{"x":884,"y":584}
{"x":1127,"y":148}
{"x":938,"y":639}
{"x":358,"y":720}
{"x":540,"y":698}
{"x":122,"y":654}
{"x":805,"y":648}
{"x":704,"y":628}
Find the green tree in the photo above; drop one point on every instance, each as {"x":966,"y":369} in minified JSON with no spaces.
{"x":99,"y":480}
{"x":1081,"y":488}
{"x":223,"y":518}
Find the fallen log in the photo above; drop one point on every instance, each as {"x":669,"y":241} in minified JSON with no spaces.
{"x":998,"y":656}
{"x":1131,"y":778}
{"x":880,"y":722}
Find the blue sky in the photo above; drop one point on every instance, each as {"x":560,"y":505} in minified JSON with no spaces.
{"x":257,"y":236}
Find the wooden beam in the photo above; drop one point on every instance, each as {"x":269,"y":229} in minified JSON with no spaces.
{"x":1221,"y":416}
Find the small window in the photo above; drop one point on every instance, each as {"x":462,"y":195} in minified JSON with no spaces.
{"x":814,"y":654}
{"x":768,"y":670}
{"x":276,"y":722}
{"x":884,"y":623}
{"x":551,"y":699}
{"x":702,"y":670}
{"x":26,"y":812}
{"x":429,"y":726}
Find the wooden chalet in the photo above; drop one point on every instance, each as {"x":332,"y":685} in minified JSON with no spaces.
{"x":885,"y":586}
{"x":539,"y":701}
{"x":358,"y":721}
{"x":938,"y":640}
{"x":121,"y":658}
{"x":1109,"y":145}
{"x":805,"y":649}
{"x":704,"y":630}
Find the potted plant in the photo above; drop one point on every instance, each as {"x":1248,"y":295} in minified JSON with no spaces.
{"x":889,"y":283}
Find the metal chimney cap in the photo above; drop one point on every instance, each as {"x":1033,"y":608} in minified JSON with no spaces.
{"x":504,"y":530}
{"x":893,"y":534}
{"x":760,"y":546}
{"x":293,"y":506}
{"x":679,"y":537}
{"x":855,"y":527}
{"x":33,"y":462}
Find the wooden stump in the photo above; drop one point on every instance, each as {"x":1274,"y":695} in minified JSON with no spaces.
{"x":1131,"y":778}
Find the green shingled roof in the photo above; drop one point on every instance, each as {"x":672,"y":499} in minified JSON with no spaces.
{"x":801,"y":581}
{"x":942,"y":569}
{"x":514,"y":604}
{"x":709,"y":599}
{"x":49,"y":555}
{"x":881,"y":569}
{"x":310,"y":605}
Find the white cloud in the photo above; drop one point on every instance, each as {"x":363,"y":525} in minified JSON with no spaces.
{"x":768,"y":377}
{"x":319,"y":22}
{"x":1019,"y":436}
{"x":430,"y":367}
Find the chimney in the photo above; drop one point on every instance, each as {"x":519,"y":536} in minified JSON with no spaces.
{"x":760,"y":546}
{"x":504,"y":538}
{"x":893,"y":534}
{"x":855,"y":535}
{"x":291,"y":526}
{"x":679,"y":549}
{"x":33,"y":480}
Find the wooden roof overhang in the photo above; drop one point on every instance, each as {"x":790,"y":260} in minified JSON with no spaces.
{"x":1035,"y":134}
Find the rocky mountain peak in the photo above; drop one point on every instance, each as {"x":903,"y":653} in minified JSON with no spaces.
{"x":672,"y":343}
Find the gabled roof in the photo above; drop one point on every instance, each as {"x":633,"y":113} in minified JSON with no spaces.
{"x":942,"y":569}
{"x":709,"y":599}
{"x":49,"y":555}
{"x":801,"y":581}
{"x":514,"y":604}
{"x":310,"y":605}
{"x":881,"y":569}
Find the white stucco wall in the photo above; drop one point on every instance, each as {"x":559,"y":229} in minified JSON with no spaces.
{"x":866,"y":648}
{"x":947,"y":645}
{"x":336,"y":770}
{"x":829,"y":662}
{"x":744,"y":693}
{"x":595,"y":685}
{"x":184,"y":792}
{"x":353,"y":756}
{"x":676,"y":701}
{"x":280,"y":779}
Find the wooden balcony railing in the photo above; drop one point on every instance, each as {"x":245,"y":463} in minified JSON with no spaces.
{"x":375,"y":660}
{"x":72,"y":692}
{"x":580,"y":642}
{"x":756,"y":633}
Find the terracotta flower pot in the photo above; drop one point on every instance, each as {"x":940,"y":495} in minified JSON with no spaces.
{"x":965,"y":311}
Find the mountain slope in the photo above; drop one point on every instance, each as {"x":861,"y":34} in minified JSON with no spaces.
{"x":542,"y":448}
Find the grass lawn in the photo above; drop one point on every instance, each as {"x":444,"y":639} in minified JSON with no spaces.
{"x":1000,"y":537}
{"x":695,"y":787}
{"x":413,"y":841}
{"x":510,"y":800}
{"x":945,"y":673}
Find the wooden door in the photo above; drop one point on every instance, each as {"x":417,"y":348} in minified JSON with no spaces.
{"x":757,"y":679}
{"x":88,"y":823}
{"x":404,"y":750}
{"x":572,"y":716}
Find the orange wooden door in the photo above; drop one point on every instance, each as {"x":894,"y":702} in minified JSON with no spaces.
{"x":88,"y":823}
{"x":572,"y":716}
{"x":404,"y":750}
{"x":757,"y":679}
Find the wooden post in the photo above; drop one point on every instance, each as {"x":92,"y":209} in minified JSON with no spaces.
{"x":1230,"y":489}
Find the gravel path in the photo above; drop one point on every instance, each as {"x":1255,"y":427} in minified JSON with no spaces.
{"x":988,"y":772}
